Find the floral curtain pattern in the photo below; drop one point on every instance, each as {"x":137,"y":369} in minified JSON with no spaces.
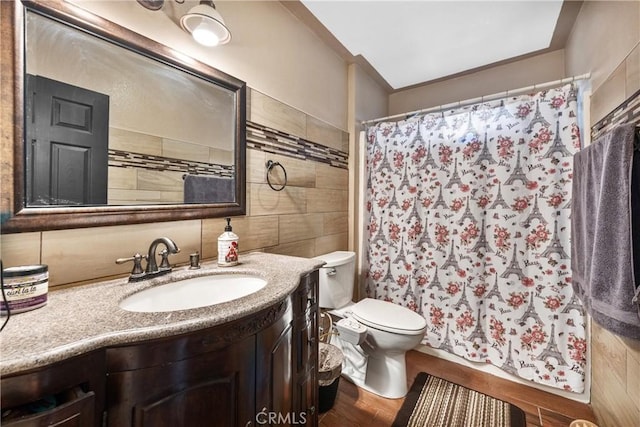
{"x":467,"y":216}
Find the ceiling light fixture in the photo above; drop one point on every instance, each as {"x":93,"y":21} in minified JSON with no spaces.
{"x":152,"y":4}
{"x":205,"y":24}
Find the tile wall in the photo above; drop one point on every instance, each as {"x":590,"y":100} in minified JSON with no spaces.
{"x":615,"y":361}
{"x":153,"y":171}
{"x":308,"y":218}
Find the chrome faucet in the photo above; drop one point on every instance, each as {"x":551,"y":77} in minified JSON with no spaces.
{"x":165,"y":267}
{"x":152,"y":269}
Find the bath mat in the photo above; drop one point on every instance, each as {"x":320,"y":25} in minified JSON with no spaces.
{"x":434,"y":402}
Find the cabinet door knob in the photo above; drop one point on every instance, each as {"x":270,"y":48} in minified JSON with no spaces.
{"x":248,"y":424}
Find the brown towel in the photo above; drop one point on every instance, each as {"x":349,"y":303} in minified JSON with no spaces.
{"x":601,"y":244}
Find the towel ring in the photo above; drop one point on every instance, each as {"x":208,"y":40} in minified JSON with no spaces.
{"x":270,"y":165}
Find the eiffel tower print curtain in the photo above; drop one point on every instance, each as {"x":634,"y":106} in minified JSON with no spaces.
{"x":467,"y":216}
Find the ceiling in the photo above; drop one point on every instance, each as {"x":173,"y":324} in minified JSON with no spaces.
{"x":410,"y":43}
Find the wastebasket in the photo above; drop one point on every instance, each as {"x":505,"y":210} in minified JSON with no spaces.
{"x":330,"y":368}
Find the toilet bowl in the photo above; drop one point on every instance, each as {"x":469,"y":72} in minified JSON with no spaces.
{"x":376,"y":362}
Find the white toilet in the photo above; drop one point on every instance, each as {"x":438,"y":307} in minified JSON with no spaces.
{"x":374,"y":334}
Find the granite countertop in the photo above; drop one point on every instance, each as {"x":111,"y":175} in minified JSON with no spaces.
{"x":84,"y":318}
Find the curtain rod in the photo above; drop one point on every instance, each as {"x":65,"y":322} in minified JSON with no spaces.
{"x":492,"y":97}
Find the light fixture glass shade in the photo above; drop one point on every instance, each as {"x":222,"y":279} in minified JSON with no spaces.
{"x":205,"y":24}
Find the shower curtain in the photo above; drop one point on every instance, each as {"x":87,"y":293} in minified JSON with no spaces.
{"x":468,"y":224}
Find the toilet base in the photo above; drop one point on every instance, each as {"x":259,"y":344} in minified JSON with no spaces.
{"x":386,"y":376}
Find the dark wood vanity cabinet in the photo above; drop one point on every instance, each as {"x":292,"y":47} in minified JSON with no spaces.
{"x":287,"y":362}
{"x":70,"y":393}
{"x":258,"y":370}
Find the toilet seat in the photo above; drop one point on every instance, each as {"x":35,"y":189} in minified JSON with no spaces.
{"x":397,"y":319}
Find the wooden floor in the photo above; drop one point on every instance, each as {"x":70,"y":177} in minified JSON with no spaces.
{"x":355,"y":407}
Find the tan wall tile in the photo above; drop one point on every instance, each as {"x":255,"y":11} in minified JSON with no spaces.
{"x":331,"y":243}
{"x":265,"y":201}
{"x":633,"y":378}
{"x":142,"y":197}
{"x":123,"y":178}
{"x":609,"y":95}
{"x":125,"y":196}
{"x":184,"y":150}
{"x":172,"y":197}
{"x":325,"y":134}
{"x":615,"y":373}
{"x":20,"y":249}
{"x":632,"y":65}
{"x":90,"y":253}
{"x":274,"y":114}
{"x":610,"y":351}
{"x":253,"y":232}
{"x":303,"y":248}
{"x":323,"y":200}
{"x":300,"y":227}
{"x":160,"y":180}
{"x":120,"y":139}
{"x":332,"y":177}
{"x":612,"y":406}
{"x":221,"y":157}
{"x":336,"y":222}
{"x":256,"y":169}
{"x":345,"y":142}
{"x":300,"y":173}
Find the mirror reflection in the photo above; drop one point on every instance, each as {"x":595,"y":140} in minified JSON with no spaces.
{"x":108,"y":126}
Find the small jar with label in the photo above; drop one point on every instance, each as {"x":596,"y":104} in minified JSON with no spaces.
{"x":25,"y":288}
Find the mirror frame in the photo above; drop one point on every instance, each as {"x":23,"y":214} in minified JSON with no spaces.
{"x":25,"y":218}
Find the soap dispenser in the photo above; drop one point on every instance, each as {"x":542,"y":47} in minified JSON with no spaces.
{"x":228,"y":247}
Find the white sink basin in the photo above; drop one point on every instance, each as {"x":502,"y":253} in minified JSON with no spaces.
{"x":193,"y":293}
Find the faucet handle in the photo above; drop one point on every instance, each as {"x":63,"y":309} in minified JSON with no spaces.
{"x":137,"y":271}
{"x":164,"y":264}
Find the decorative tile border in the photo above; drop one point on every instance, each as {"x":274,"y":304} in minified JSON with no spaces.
{"x":127,"y":159}
{"x":627,"y":112}
{"x":262,"y":138}
{"x":259,"y":137}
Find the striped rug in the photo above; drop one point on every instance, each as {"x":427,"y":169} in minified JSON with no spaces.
{"x":434,"y":402}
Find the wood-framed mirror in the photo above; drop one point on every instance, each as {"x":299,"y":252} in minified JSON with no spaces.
{"x":110,"y":127}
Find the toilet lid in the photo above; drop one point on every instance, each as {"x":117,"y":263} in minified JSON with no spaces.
{"x":397,"y":319}
{"x":337,"y":258}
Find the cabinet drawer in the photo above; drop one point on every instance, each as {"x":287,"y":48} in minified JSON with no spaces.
{"x":78,"y":412}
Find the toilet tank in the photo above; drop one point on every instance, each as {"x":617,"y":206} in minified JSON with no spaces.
{"x":336,"y":279}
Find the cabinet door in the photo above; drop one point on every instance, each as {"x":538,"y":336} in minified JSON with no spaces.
{"x":274,"y":376}
{"x":211,"y":389}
